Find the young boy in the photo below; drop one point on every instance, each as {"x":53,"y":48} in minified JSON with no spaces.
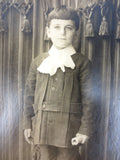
{"x":58,"y":93}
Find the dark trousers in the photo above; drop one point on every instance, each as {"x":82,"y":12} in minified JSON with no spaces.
{"x":56,"y":153}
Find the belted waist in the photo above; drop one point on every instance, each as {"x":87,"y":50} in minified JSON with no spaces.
{"x":59,"y":107}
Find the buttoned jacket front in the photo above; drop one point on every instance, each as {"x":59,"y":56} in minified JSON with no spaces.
{"x":73,"y":114}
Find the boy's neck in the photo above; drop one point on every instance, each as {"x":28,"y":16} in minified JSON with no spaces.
{"x":63,"y":48}
{"x":67,"y":50}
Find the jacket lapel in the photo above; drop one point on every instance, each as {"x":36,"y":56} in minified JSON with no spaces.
{"x":44,"y":78}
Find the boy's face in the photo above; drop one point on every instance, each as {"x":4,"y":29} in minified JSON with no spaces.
{"x":61,"y":32}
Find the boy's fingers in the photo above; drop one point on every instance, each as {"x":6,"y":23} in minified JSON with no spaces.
{"x":74,"y":141}
{"x":29,"y":140}
{"x":83,"y":140}
{"x":27,"y":134}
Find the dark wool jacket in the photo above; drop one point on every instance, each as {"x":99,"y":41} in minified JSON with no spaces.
{"x":56,"y":123}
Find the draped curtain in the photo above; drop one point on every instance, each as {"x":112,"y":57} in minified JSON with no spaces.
{"x":23,"y":37}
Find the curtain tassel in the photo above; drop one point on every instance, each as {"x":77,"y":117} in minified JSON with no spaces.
{"x":89,"y":32}
{"x":2,"y":26}
{"x":103,"y":31}
{"x":118,"y":31}
{"x":26,"y":26}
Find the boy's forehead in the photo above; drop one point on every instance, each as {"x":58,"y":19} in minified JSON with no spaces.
{"x":62,"y":22}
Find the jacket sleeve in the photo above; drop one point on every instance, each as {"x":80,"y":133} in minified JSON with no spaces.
{"x":28,"y":112}
{"x":87,"y":121}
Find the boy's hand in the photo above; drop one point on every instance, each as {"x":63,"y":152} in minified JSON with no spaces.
{"x":27,"y":134}
{"x":80,"y":138}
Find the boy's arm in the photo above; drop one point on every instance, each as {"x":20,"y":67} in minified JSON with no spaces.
{"x":87,"y":122}
{"x":87,"y":99}
{"x":29,"y":97}
{"x":86,"y":128}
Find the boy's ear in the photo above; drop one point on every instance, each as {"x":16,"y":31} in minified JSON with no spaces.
{"x":76,"y":34}
{"x":48,"y":31}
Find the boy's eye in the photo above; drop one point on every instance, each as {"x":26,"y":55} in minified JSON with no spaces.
{"x":69,"y":28}
{"x":56,"y":27}
{"x":66,"y":28}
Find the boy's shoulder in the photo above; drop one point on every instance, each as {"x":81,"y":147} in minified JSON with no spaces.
{"x":80,"y":58}
{"x":83,"y":56}
{"x":38,"y":60}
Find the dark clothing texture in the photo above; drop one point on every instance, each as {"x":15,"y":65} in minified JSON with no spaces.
{"x":55,"y":153}
{"x":59,"y":106}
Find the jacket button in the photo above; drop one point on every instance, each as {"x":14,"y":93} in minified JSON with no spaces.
{"x":44,"y":106}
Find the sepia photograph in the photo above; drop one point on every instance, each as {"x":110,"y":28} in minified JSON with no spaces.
{"x":59,"y":79}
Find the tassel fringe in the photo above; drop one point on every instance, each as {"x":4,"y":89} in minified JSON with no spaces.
{"x":118,"y":31}
{"x":89,"y":32}
{"x":103,"y":31}
{"x":26,"y":26}
{"x":2,"y":26}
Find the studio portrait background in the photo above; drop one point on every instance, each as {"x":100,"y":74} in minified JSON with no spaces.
{"x":23,"y":37}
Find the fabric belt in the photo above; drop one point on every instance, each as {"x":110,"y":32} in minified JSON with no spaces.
{"x":58,"y":107}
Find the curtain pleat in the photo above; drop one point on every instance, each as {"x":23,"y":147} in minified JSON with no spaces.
{"x":18,"y":48}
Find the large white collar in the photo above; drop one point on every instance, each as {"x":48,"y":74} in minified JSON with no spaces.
{"x":57,"y":59}
{"x":68,"y":51}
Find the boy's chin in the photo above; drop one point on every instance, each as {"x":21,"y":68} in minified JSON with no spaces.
{"x":61,"y":46}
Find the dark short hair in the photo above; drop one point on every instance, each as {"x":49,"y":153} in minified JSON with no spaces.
{"x":65,"y":14}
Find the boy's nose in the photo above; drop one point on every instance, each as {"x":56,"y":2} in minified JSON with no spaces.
{"x":62,"y":31}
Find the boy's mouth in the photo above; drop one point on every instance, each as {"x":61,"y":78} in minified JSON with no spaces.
{"x":62,"y":38}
